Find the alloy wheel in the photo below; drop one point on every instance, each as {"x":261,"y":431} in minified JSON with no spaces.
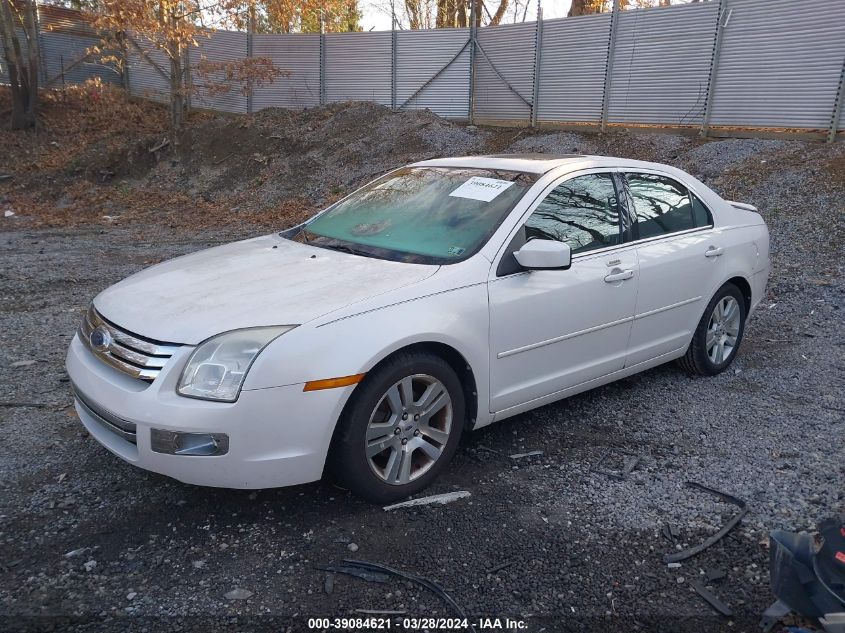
{"x":723,"y":330}
{"x":408,"y":429}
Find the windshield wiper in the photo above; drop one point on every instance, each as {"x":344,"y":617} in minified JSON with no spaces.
{"x":346,"y":249}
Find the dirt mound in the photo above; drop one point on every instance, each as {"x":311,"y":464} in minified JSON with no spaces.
{"x":99,"y":158}
{"x":255,"y":162}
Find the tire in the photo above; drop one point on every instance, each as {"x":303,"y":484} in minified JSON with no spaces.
{"x":383,"y":457}
{"x":704,"y":357}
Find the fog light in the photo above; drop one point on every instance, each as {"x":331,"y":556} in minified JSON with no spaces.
{"x":202,"y":444}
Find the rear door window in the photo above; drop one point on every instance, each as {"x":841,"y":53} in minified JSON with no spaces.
{"x":662,"y":205}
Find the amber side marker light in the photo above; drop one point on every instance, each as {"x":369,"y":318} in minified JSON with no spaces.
{"x":332,"y":383}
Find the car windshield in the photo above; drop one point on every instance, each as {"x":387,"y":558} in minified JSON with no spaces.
{"x":433,"y":215}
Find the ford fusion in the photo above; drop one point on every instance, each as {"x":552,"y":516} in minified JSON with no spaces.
{"x":439,"y":298}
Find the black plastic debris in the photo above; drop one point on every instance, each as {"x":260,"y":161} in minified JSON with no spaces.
{"x":675,"y":557}
{"x":811,"y":582}
{"x":358,"y":572}
{"x":629,"y":462}
{"x":711,"y":598}
{"x":670,"y":533}
{"x":496,"y":569}
{"x":377,"y":569}
{"x":772,"y":615}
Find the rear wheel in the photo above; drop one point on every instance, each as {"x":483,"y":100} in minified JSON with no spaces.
{"x":400,"y":428}
{"x":719,"y":333}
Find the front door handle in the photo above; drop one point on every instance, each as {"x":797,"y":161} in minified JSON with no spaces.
{"x":714,"y":251}
{"x":618,"y":274}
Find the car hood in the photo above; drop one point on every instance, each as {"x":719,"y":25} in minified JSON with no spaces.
{"x":262,"y":281}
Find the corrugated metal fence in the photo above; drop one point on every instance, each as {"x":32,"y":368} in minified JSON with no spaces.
{"x":64,"y":39}
{"x":717,"y":65}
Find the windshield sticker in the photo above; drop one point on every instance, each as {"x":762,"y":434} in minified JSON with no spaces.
{"x":455,"y":250}
{"x":478,"y":188}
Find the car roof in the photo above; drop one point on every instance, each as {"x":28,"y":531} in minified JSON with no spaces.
{"x":538,"y":163}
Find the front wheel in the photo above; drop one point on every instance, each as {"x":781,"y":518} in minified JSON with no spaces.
{"x":716,"y":339}
{"x":399,"y":429}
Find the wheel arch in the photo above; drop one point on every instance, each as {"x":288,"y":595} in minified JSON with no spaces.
{"x":744,"y":287}
{"x":456,"y":360}
{"x":452,"y":356}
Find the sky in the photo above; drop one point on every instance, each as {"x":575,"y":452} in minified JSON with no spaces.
{"x":376,"y":13}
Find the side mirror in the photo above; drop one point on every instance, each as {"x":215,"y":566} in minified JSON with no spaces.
{"x":544,"y":254}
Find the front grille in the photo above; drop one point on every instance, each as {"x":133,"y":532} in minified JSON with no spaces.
{"x":106,"y":419}
{"x":135,"y":355}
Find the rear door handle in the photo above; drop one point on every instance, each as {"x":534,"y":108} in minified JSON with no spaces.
{"x":714,"y":251}
{"x":618,"y":275}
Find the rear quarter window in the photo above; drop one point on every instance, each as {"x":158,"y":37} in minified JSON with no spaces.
{"x":701,"y":214}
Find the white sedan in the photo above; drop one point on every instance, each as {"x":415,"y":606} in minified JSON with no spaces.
{"x":441,"y":297}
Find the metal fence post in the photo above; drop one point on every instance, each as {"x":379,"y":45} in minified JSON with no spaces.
{"x":392,"y":56}
{"x":538,"y":43}
{"x":322,"y":61}
{"x":250,"y":31}
{"x":189,"y":78}
{"x":837,"y":106}
{"x":723,"y":12}
{"x":42,"y":51}
{"x":472,"y":33}
{"x":608,"y":72}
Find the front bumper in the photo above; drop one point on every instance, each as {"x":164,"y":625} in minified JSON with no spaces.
{"x":277,"y":437}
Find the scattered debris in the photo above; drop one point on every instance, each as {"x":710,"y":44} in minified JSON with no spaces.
{"x":131,"y":595}
{"x":328,"y":586}
{"x":528,"y":454}
{"x":811,"y":582}
{"x":496,"y":569}
{"x":833,"y":622}
{"x":490,"y":450}
{"x":674,"y":557}
{"x":446,"y":497}
{"x":771,"y":616}
{"x":238,"y":594}
{"x":711,"y":598}
{"x":352,"y":547}
{"x":670,"y":533}
{"x":424,"y":582}
{"x":8,"y":213}
{"x":629,"y":464}
{"x":357,"y":572}
{"x":90,"y":565}
{"x":674,"y":565}
{"x":76,"y":552}
{"x":23,"y":363}
{"x":4,"y":177}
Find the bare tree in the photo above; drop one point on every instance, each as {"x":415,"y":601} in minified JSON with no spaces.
{"x":427,"y":14}
{"x":23,"y":69}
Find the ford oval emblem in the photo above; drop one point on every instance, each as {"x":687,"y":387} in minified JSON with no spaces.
{"x":100,"y":339}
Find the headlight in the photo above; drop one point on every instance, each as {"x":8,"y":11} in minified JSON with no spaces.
{"x":217,"y":368}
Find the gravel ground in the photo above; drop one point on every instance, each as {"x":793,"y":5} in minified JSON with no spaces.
{"x":90,"y":543}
